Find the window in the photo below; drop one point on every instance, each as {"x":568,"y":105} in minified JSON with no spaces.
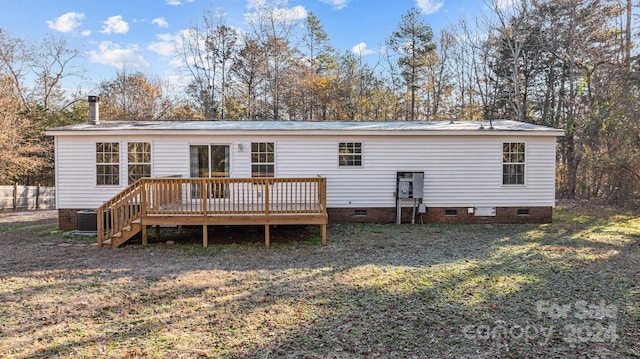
{"x":350,"y":154}
{"x":139,"y":158}
{"x":107,"y":163}
{"x":513,"y":163}
{"x":262,"y":159}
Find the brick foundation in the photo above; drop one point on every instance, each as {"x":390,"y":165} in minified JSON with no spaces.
{"x":448,"y":215}
{"x":374,"y":215}
{"x":68,"y":218}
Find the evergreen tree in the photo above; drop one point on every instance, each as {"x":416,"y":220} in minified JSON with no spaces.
{"x":414,"y":42}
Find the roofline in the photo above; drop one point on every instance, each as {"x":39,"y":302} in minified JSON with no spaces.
{"x":302,"y":128}
{"x":309,"y":132}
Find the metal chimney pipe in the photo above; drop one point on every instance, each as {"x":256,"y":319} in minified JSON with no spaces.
{"x":94,"y":110}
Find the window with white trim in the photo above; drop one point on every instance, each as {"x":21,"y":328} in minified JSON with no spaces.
{"x":513,"y":163}
{"x":139,"y":160}
{"x":350,"y":154}
{"x":263,"y":159}
{"x":107,"y":163}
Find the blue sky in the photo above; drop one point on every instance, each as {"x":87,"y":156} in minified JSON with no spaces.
{"x":138,"y":33}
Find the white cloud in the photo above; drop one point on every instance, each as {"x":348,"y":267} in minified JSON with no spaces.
{"x":295,"y":13}
{"x":278,"y":13}
{"x":165,"y":37}
{"x":362,"y":50}
{"x":161,"y":22}
{"x":176,"y":81}
{"x":66,"y":22}
{"x":176,"y":2}
{"x":429,"y":6}
{"x":114,"y":55}
{"x":336,"y":4}
{"x":163,"y":47}
{"x":255,"y":4}
{"x":503,"y":4}
{"x":115,"y":25}
{"x":86,"y":33}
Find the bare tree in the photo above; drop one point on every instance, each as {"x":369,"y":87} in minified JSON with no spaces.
{"x":273,"y":27}
{"x":437,"y":77}
{"x":33,"y":99}
{"x":53,"y":63}
{"x":135,"y":97}
{"x":248,"y":69}
{"x":17,"y":143}
{"x":511,"y":38}
{"x":206,"y":51}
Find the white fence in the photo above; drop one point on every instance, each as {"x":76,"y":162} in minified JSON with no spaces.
{"x":16,"y":197}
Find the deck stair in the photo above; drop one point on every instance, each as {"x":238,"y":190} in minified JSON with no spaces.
{"x":119,"y":219}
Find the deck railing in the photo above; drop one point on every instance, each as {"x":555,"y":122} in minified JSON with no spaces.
{"x":211,"y":197}
{"x":228,"y":196}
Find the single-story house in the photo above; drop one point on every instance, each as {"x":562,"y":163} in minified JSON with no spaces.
{"x":456,"y":171}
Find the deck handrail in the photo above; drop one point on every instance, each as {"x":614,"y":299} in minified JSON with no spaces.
{"x":121,"y":211}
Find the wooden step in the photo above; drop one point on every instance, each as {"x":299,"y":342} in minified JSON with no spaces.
{"x":125,"y":234}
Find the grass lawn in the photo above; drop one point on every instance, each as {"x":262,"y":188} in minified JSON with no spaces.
{"x":565,"y":289}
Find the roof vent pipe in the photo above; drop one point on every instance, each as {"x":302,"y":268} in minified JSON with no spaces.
{"x":94,"y":110}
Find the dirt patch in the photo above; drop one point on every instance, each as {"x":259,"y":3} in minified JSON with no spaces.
{"x":224,"y":235}
{"x":21,"y":217}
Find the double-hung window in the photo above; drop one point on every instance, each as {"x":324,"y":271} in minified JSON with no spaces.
{"x":513,"y":163}
{"x":350,"y":154}
{"x":107,"y":163}
{"x":263,"y":159}
{"x":139,"y":160}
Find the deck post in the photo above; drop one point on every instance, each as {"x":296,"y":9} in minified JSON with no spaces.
{"x":144,"y":235}
{"x":204,"y":188}
{"x":323,"y":232}
{"x":100,"y":226}
{"x":205,"y":238}
{"x":266,"y":235}
{"x":266,"y":197}
{"x":143,"y":197}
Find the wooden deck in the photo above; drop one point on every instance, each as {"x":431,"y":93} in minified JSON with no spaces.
{"x":212,"y":201}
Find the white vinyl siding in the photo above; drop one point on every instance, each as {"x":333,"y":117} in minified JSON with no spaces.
{"x":459,"y":171}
